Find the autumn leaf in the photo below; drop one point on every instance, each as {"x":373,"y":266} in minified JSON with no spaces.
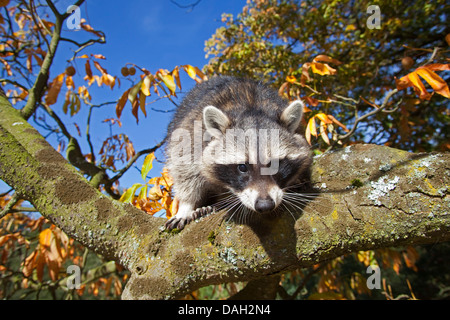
{"x":121,"y":103}
{"x":427,"y":73}
{"x":168,"y":81}
{"x":145,"y":86}
{"x":134,"y":91}
{"x":87,"y":67}
{"x":322,"y":69}
{"x":55,"y":88}
{"x":128,"y":196}
{"x":291,"y":79}
{"x":148,"y":165}
{"x":436,"y":82}
{"x":176,"y":76}
{"x":328,"y":59}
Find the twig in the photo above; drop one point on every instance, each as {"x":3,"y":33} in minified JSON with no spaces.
{"x":12,"y":202}
{"x":359,"y":119}
{"x":133,"y":160}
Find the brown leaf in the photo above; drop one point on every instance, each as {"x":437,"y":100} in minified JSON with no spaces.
{"x":121,"y":103}
{"x":54,"y":89}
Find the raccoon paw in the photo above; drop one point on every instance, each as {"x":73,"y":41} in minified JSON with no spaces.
{"x":180,"y":223}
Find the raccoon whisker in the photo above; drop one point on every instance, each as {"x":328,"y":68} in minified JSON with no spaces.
{"x":292,"y":186}
{"x":293,"y":204}
{"x":235,"y":210}
{"x":302,"y":196}
{"x":310,"y":194}
{"x":301,"y":202}
{"x":287,"y":209}
{"x":225,"y":202}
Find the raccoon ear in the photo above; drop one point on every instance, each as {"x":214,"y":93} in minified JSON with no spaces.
{"x":216,"y":122}
{"x":292,"y":115}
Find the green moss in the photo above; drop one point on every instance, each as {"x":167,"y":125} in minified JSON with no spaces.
{"x":212,"y":237}
{"x":357,"y":183}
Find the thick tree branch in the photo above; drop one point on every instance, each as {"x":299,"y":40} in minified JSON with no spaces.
{"x":372,"y":197}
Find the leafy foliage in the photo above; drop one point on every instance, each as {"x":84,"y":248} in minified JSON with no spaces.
{"x":281,"y":42}
{"x":386,"y":85}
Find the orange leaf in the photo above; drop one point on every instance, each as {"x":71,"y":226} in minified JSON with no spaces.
{"x":338,"y":123}
{"x":438,"y":66}
{"x":311,"y":101}
{"x":436,"y":82}
{"x":99,"y":67}
{"x":142,"y":103}
{"x":121,"y":103}
{"x":291,"y":79}
{"x":323,"y":117}
{"x":176,"y":75}
{"x":88,"y":69}
{"x":45,"y":237}
{"x":418,"y":86}
{"x":69,"y":82}
{"x":55,"y":88}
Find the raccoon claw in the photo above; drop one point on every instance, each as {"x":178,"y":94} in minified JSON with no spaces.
{"x":180,"y":223}
{"x":203,"y":211}
{"x":173,"y":223}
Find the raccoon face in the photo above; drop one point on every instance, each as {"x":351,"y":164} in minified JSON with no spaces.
{"x":257,"y":192}
{"x":245,"y":173}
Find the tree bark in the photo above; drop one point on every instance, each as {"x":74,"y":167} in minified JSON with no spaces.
{"x":371,"y":197}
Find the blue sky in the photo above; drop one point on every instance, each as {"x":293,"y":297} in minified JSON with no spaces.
{"x":152,"y":34}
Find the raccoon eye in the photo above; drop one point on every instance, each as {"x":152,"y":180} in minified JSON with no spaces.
{"x":242,"y":168}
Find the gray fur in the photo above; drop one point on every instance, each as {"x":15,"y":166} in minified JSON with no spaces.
{"x":201,"y":122}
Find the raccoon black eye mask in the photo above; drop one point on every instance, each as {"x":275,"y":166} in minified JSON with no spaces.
{"x":234,"y":144}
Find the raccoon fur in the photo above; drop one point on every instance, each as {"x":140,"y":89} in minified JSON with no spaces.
{"x":213,"y":169}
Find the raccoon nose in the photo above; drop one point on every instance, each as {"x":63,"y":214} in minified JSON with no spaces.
{"x":264,"y":205}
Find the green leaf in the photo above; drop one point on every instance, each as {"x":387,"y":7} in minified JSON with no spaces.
{"x":134,"y":91}
{"x":128,"y":196}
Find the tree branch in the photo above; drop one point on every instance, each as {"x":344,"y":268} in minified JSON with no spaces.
{"x":371,"y":197}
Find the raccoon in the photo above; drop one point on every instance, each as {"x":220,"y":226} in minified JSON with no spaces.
{"x":235,"y":144}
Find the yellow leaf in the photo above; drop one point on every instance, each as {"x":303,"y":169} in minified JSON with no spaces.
{"x":148,"y":165}
{"x":322,"y":68}
{"x":291,"y":79}
{"x":312,"y":127}
{"x":190,"y":70}
{"x":436,"y":82}
{"x":145,"y":87}
{"x":323,"y":117}
{"x":54,"y":89}
{"x":350,"y":27}
{"x":168,"y":81}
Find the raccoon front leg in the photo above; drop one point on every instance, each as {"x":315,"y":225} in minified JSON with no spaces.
{"x":187,"y":214}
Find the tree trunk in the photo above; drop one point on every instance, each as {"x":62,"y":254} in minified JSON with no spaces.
{"x":371,"y":197}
